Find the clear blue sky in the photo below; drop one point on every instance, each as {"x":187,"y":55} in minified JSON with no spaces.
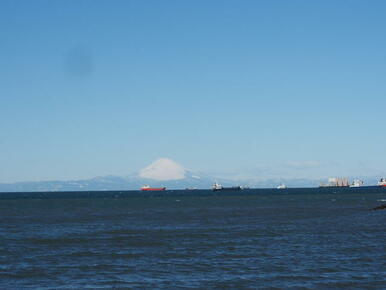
{"x":91,"y":88}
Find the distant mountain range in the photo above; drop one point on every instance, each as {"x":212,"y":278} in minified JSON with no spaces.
{"x":162,"y":172}
{"x":135,"y":182}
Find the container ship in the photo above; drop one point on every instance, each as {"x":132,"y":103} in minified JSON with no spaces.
{"x":217,"y":187}
{"x":148,"y":188}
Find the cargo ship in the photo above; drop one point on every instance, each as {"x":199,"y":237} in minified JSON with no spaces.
{"x":336,"y":182}
{"x":148,"y":188}
{"x":382,"y":182}
{"x":216,"y":187}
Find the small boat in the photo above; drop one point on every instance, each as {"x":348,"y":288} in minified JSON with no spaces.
{"x":282,"y":186}
{"x":148,"y":188}
{"x":216,"y":187}
{"x":382,"y":182}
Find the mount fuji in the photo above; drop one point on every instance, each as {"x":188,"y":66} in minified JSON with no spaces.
{"x":162,"y":172}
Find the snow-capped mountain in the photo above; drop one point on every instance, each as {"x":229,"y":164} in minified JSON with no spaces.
{"x":162,"y":172}
{"x":163,"y":169}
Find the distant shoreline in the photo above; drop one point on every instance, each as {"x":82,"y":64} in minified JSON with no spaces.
{"x":187,"y":192}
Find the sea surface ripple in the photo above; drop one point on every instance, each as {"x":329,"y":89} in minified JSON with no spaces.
{"x":309,"y":241}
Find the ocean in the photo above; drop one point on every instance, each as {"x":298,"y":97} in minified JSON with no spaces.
{"x":309,"y":240}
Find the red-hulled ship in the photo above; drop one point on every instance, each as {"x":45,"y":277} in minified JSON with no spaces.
{"x":148,"y":188}
{"x":382,"y":182}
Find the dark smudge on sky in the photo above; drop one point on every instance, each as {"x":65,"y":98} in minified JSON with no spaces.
{"x":78,"y":62}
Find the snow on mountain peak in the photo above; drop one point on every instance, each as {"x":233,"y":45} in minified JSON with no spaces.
{"x":163,"y":169}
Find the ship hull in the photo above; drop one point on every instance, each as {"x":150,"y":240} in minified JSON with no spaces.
{"x":153,"y":189}
{"x":227,"y":188}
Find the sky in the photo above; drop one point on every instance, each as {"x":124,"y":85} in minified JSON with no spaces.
{"x":232,"y":88}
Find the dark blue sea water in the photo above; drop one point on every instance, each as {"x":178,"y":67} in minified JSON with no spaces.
{"x":314,"y":240}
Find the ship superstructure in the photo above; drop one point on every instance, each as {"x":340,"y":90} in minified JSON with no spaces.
{"x":356,"y":183}
{"x":382,"y":182}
